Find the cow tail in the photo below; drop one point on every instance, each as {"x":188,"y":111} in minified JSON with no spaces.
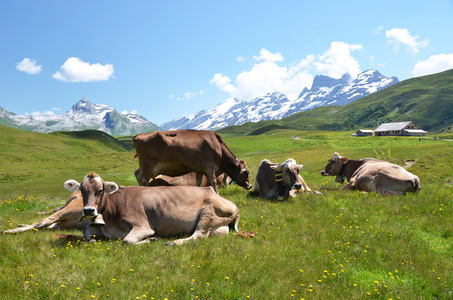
{"x":234,"y":223}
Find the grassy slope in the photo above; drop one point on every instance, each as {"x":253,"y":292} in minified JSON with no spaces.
{"x":344,"y":244}
{"x":33,"y":162}
{"x":427,"y":101}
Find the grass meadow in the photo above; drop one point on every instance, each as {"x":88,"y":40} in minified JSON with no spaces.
{"x":339,"y":245}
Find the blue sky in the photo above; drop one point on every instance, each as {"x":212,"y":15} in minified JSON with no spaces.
{"x":167,"y":59}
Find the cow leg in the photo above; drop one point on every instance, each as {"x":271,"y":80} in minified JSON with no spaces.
{"x":391,"y":193}
{"x":86,"y":234}
{"x":305,"y":187}
{"x":212,"y":179}
{"x":211,"y":222}
{"x":138,"y":235}
{"x":198,"y":179}
{"x":350,"y":185}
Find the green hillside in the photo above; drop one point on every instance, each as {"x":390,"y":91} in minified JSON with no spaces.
{"x":33,"y":161}
{"x":427,"y":101}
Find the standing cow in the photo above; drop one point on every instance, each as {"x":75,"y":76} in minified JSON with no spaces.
{"x":136,"y":213}
{"x":274,"y":180}
{"x":179,"y":152}
{"x":371,"y":175}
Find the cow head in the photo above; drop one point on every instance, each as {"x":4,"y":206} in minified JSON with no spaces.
{"x":241,"y":175}
{"x":93,"y":189}
{"x":290,"y":173}
{"x":335,"y":167}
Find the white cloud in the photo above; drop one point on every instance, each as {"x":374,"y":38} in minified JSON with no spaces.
{"x":240,"y":59}
{"x":338,"y":61}
{"x":188,"y":95}
{"x":266,"y":55}
{"x":223,"y":83}
{"x":29,"y":65}
{"x":378,"y":30}
{"x":266,"y":76}
{"x":401,"y":36}
{"x":434,"y":64}
{"x":76,"y":70}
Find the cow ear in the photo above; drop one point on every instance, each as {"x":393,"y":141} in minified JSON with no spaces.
{"x":344,"y":160}
{"x":278,"y":167}
{"x":300,"y":166}
{"x":110,"y":187}
{"x":71,"y":185}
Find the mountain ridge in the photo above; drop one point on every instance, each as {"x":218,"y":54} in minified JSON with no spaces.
{"x":83,"y":115}
{"x":425,"y":100}
{"x":325,"y":90}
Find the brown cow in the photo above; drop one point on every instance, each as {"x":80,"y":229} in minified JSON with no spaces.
{"x":274,"y":180}
{"x":68,"y":216}
{"x":179,"y":152}
{"x":135,"y":213}
{"x":371,"y":175}
{"x":189,"y":179}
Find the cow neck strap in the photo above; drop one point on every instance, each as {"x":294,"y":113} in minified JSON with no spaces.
{"x":281,"y":186}
{"x":278,"y":176}
{"x":237,"y":170}
{"x":343,"y":171}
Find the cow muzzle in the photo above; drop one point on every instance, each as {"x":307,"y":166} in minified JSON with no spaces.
{"x":296,"y":186}
{"x":324,"y":173}
{"x":89,"y":212}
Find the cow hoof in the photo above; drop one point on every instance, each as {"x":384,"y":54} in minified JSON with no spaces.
{"x":170,"y":243}
{"x":148,"y":240}
{"x":92,"y":241}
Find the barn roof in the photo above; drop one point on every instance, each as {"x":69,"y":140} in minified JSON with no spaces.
{"x":392,"y":126}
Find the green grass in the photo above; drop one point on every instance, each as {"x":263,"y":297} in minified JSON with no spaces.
{"x":342,"y":244}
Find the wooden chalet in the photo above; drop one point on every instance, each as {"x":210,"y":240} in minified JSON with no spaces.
{"x":399,"y":129}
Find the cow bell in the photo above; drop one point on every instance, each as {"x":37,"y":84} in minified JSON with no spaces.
{"x":98,"y":221}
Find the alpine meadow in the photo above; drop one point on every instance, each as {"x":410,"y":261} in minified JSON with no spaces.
{"x":338,"y":245}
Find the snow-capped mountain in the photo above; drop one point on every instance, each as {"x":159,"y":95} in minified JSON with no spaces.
{"x":324,"y":91}
{"x":82,"y":116}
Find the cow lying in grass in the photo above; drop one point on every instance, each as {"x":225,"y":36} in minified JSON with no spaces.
{"x":371,"y":175}
{"x":68,"y":216}
{"x":280,"y":180}
{"x":136,"y":213}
